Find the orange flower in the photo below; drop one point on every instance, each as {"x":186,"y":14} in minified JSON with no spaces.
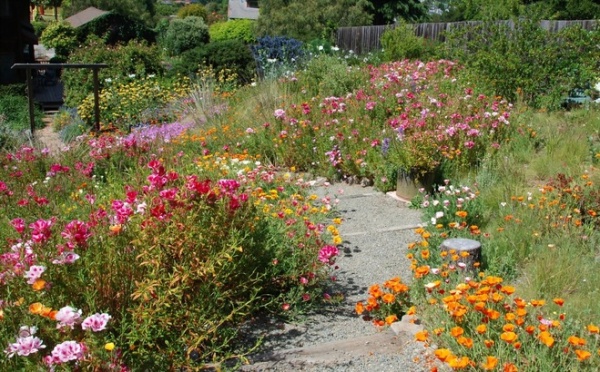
{"x":378,"y":323}
{"x":509,"y":367}
{"x":442,"y":354}
{"x":481,"y":328}
{"x":375,"y":291}
{"x":422,"y":336}
{"x":582,"y":355}
{"x":593,"y":329}
{"x":509,"y":337}
{"x":490,"y":363}
{"x":390,"y":319}
{"x":459,"y":363}
{"x":456,"y":331}
{"x":438,"y":331}
{"x":115,"y":229}
{"x":461,"y":214}
{"x":530,"y":329}
{"x":488,"y":343}
{"x":508,"y":327}
{"x":517,"y":345}
{"x":359,"y":308}
{"x":38,"y":285}
{"x":559,"y":301}
{"x":537,"y":303}
{"x":425,"y":254}
{"x":509,"y":317}
{"x":546,"y":338}
{"x":421,"y":271}
{"x":507,"y":289}
{"x":576,"y":341}
{"x":388,"y":298}
{"x":465,"y":341}
{"x":36,"y":308}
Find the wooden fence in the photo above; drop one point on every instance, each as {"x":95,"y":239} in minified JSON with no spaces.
{"x":364,"y":39}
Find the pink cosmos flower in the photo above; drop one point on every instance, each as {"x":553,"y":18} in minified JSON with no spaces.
{"x":96,"y":322}
{"x":24,"y":346}
{"x":67,"y":317}
{"x":327,"y":253}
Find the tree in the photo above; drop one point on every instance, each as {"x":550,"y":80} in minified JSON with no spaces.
{"x":49,"y":3}
{"x":138,"y":9}
{"x":388,"y":11}
{"x":311,"y":19}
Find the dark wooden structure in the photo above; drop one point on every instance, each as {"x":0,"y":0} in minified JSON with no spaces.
{"x":31,"y":81}
{"x":17,"y":39}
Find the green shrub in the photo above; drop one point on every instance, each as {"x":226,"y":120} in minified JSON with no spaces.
{"x":401,"y":43}
{"x":193,"y":10}
{"x":61,"y":36}
{"x":230,"y":54}
{"x":526,"y":62}
{"x":327,"y":76}
{"x":135,"y":58}
{"x":239,"y":29}
{"x":185,"y":34}
{"x":39,"y":27}
{"x":14,"y":109}
{"x":116,"y":28}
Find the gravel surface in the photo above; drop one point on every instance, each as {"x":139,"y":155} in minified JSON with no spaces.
{"x":376,"y":229}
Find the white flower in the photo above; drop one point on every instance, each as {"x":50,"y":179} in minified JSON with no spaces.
{"x":320,"y":47}
{"x":335,"y":48}
{"x":131,"y":76}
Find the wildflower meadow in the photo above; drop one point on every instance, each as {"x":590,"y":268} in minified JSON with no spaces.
{"x":147,"y":246}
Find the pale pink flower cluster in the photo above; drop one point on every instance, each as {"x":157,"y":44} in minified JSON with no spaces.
{"x":96,"y":322}
{"x":67,"y":317}
{"x":65,"y":352}
{"x":26,"y":343}
{"x":34,"y":273}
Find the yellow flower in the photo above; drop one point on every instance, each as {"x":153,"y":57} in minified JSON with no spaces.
{"x":109,"y":346}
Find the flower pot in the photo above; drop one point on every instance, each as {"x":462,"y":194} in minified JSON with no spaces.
{"x":409,"y":183}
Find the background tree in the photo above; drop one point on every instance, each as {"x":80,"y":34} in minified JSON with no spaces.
{"x":138,"y":9}
{"x":311,"y":19}
{"x":388,"y":11}
{"x":49,"y":3}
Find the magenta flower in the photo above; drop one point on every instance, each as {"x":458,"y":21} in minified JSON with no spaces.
{"x":24,"y":346}
{"x":77,"y":232}
{"x":41,"y":230}
{"x":327,"y":253}
{"x":67,"y":317}
{"x":96,"y":322}
{"x":18,"y":224}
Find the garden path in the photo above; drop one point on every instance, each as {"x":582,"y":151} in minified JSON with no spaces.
{"x":376,"y":231}
{"x":47,"y":137}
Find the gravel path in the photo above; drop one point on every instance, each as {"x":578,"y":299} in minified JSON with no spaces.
{"x":376,"y":231}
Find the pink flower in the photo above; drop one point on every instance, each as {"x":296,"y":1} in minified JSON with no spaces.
{"x":96,"y":322}
{"x":279,"y":114}
{"x":67,"y":351}
{"x":41,"y":230}
{"x":24,"y":346}
{"x":67,"y":317}
{"x":34,"y":273}
{"x":18,"y":224}
{"x":327,"y":253}
{"x":77,"y":232}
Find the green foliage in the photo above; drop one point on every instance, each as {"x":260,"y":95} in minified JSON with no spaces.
{"x":116,"y":28}
{"x":401,"y":42}
{"x":193,"y":10}
{"x":185,"y":34}
{"x":237,"y":29}
{"x":14,"y":109}
{"x":327,"y":76}
{"x":563,"y":9}
{"x":231,"y":55}
{"x":39,"y":27}
{"x":138,"y":9}
{"x":481,"y":10}
{"x":135,"y":58}
{"x":61,"y":36}
{"x":388,"y":11}
{"x":526,"y":62}
{"x":312,"y":19}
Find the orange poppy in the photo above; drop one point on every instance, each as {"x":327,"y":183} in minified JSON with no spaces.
{"x":538,"y":303}
{"x":36,"y":308}
{"x":442,"y":354}
{"x":559,"y":301}
{"x":530,"y":329}
{"x":390,"y":319}
{"x":488,"y":343}
{"x":359,"y":308}
{"x":425,"y":254}
{"x":593,"y":329}
{"x":490,"y":363}
{"x":38,"y":285}
{"x":576,"y":341}
{"x":508,"y":327}
{"x":388,"y":298}
{"x":481,"y":328}
{"x":546,"y":338}
{"x":509,"y":337}
{"x":583,"y":355}
{"x":509,"y":367}
{"x":461,"y":214}
{"x":422,"y":336}
{"x":459,"y":363}
{"x":507,"y":289}
{"x":465,"y":341}
{"x":457,"y":331}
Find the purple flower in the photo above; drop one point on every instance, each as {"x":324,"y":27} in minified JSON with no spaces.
{"x":96,"y":322}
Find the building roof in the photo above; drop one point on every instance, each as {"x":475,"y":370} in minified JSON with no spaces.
{"x":85,"y":16}
{"x":239,"y":9}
